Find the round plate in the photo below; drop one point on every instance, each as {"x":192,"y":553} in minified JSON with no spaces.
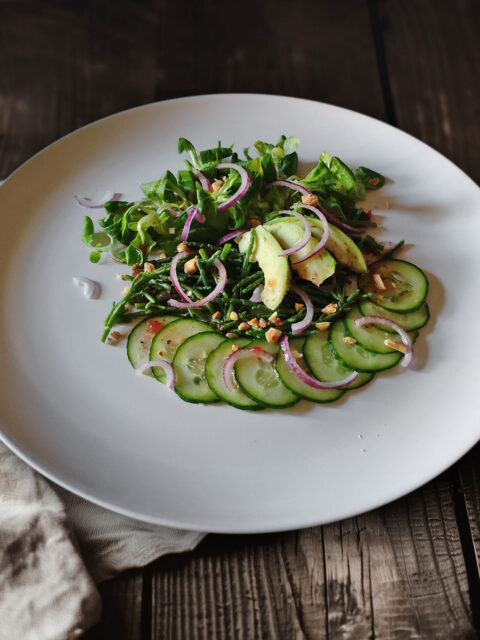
{"x":74,"y":409}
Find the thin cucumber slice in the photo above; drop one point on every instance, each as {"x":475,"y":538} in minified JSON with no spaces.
{"x":325,"y":366}
{"x":214,"y":375}
{"x":406,"y":285}
{"x":259,"y":380}
{"x":189,"y":364}
{"x":167,"y":341}
{"x":291,"y":380}
{"x":140,"y":340}
{"x":409,"y":321}
{"x":369,"y":337}
{"x":356,"y":356}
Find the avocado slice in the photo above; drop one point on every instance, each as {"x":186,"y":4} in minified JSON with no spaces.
{"x":339,"y":244}
{"x":275,"y":268}
{"x":289,"y":231}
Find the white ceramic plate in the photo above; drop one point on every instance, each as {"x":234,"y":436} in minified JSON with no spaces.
{"x":74,"y":409}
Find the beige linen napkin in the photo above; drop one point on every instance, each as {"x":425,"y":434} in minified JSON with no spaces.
{"x":47,"y":591}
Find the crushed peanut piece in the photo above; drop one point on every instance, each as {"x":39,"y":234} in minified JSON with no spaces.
{"x":217,"y":185}
{"x":120,"y":276}
{"x":330,"y":308}
{"x":216,"y":315}
{"x":298,"y":306}
{"x":273,"y":317}
{"x":379,"y":284}
{"x":234,"y":347}
{"x":253,"y":322}
{"x":181,"y":247}
{"x":189,"y":293}
{"x":254,"y":221}
{"x":171,"y":230}
{"x":163,"y":255}
{"x":125,"y":291}
{"x":349,"y":340}
{"x":395,"y":344}
{"x":191,"y":265}
{"x":273,"y":335}
{"x":243,"y":326}
{"x":311,"y":199}
{"x":224,"y":178}
{"x":323,"y":326}
{"x":262,"y":323}
{"x":116,"y":335}
{"x":296,"y":354}
{"x":148,"y":267}
{"x":234,"y":316}
{"x":277,"y":322}
{"x":231,"y":335}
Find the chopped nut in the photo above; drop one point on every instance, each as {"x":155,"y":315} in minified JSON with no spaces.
{"x":298,"y":306}
{"x":323,"y":326}
{"x":262,"y":323}
{"x":379,"y":284}
{"x":163,"y":255}
{"x":277,"y":322}
{"x":296,"y":354}
{"x":217,"y":185}
{"x":125,"y":291}
{"x":330,"y":308}
{"x":189,"y":293}
{"x":234,"y":316}
{"x":311,"y":199}
{"x":254,"y":221}
{"x":120,"y":276}
{"x":216,"y":315}
{"x":171,"y":230}
{"x":149,"y":267}
{"x":395,"y":344}
{"x":349,"y":340}
{"x":273,"y":335}
{"x":224,"y":178}
{"x":191,"y":265}
{"x":115,"y":336}
{"x":254,"y":322}
{"x":234,"y":347}
{"x":243,"y":326}
{"x":231,"y":335}
{"x":181,"y":247}
{"x":273,"y":317}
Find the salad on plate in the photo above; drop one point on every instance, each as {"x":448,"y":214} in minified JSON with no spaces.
{"x":254,"y":285}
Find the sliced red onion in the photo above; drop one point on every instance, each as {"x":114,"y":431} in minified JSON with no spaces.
{"x":232,"y":234}
{"x":186,"y":229}
{"x":228,"y":370}
{"x":404,"y":337}
{"x":91,"y":288}
{"x":91,"y":204}
{"x":291,"y":185}
{"x":304,"y":377}
{"x":341,"y":225}
{"x":165,"y":365}
{"x":202,"y":178}
{"x":298,"y":327}
{"x":257,"y":294}
{"x":174,"y":277}
{"x":243,"y":188}
{"x":326,"y":231}
{"x":306,"y":236}
{"x":222,"y":280}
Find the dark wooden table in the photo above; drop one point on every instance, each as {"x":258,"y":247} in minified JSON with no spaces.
{"x":411,"y":568}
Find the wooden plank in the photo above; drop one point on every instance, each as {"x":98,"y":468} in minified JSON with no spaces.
{"x":433,"y":67}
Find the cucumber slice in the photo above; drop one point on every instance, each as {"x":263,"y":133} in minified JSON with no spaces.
{"x":371,"y":338}
{"x":259,"y":380}
{"x":293,"y":382}
{"x":140,"y":340}
{"x":356,"y":356}
{"x":406,"y":285}
{"x":189,"y":364}
{"x":409,"y":320}
{"x":325,"y":366}
{"x":168,"y":339}
{"x":214,"y":375}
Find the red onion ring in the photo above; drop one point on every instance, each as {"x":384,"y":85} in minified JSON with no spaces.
{"x":291,"y":185}
{"x":166,"y":366}
{"x":326,"y":231}
{"x":304,"y":377}
{"x":186,"y":229}
{"x":231,"y":235}
{"x":298,"y":327}
{"x":404,"y":337}
{"x":222,"y":280}
{"x":91,"y":204}
{"x":228,"y":370}
{"x":91,"y":288}
{"x":306,"y":236}
{"x":174,"y":277}
{"x":341,"y":225}
{"x":243,"y":188}
{"x":202,"y":178}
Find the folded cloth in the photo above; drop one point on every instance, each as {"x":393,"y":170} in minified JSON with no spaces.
{"x":46,"y":590}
